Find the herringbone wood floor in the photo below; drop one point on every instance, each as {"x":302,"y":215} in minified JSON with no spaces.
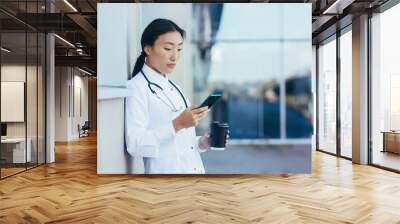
{"x":70,"y":191}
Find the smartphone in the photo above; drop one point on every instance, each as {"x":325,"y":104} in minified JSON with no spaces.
{"x":211,"y":99}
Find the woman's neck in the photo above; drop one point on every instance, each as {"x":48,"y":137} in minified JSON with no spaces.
{"x":154,"y":68}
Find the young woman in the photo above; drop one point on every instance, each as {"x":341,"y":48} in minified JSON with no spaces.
{"x":159,"y":119}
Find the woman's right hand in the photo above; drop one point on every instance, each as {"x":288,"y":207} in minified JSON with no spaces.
{"x":189,"y":117}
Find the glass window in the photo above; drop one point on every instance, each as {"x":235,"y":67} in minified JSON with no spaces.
{"x":264,"y":74}
{"x":346,"y":94}
{"x":22,"y":91}
{"x":327,"y":96}
{"x":15,"y":151}
{"x":385,"y":84}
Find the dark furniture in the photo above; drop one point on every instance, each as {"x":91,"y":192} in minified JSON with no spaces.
{"x":84,"y":129}
{"x":391,"y":141}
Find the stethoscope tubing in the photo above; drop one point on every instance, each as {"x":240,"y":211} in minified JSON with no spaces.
{"x":149,"y":83}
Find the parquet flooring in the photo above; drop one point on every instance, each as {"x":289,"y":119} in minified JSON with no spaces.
{"x":70,"y":191}
{"x":10,"y":171}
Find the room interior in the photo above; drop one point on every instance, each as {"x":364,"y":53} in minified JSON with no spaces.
{"x":48,"y":171}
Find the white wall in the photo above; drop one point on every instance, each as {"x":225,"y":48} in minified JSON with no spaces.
{"x":61,"y":103}
{"x":116,"y":55}
{"x":67,"y":115}
{"x":79,"y":117}
{"x":16,"y":72}
{"x":129,"y":21}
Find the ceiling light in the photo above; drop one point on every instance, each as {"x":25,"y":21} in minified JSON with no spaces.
{"x":79,"y":51}
{"x":65,"y":41}
{"x":86,"y":72}
{"x":338,"y":6}
{"x":70,"y":5}
{"x":5,"y":50}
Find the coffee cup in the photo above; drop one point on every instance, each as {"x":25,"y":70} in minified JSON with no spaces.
{"x":218,"y":135}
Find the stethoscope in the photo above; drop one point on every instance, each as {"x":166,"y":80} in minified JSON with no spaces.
{"x":173,"y":107}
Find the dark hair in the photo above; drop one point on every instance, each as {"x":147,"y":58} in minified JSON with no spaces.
{"x":155,"y":29}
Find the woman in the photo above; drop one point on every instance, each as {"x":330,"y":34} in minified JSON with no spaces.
{"x":159,"y":120}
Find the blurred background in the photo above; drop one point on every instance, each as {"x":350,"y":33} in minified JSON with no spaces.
{"x":259,"y":57}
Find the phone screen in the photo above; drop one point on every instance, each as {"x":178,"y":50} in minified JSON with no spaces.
{"x":211,"y":99}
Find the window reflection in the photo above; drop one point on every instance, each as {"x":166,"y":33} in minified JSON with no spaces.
{"x":263,"y":72}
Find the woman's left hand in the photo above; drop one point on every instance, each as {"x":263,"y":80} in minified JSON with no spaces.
{"x":205,"y":141}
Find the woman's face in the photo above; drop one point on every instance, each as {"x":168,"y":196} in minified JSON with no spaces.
{"x":165,"y":52}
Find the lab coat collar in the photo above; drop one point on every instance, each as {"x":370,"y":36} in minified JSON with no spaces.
{"x":153,"y":75}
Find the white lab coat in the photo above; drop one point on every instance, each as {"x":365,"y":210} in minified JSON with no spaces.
{"x":149,"y":130}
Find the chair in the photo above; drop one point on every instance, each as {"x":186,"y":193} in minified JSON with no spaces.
{"x":84,"y":130}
